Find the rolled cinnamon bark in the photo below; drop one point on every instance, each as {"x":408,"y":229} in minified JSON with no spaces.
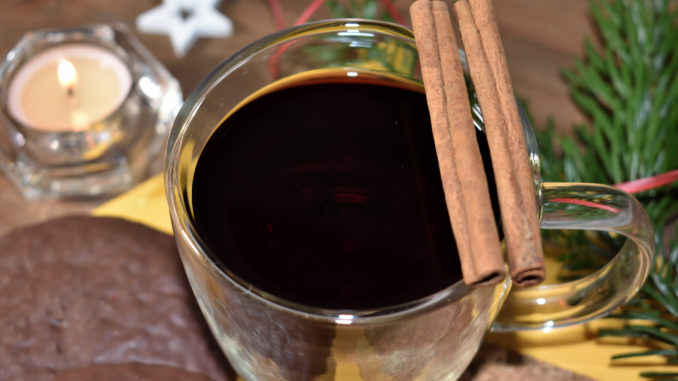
{"x":512,"y":170}
{"x":460,"y":162}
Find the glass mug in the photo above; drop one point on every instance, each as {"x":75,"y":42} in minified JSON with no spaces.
{"x":432,"y":338}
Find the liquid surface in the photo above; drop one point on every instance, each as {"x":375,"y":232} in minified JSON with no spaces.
{"x":329,"y":195}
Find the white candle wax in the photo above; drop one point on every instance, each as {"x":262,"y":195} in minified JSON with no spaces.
{"x":94,"y":83}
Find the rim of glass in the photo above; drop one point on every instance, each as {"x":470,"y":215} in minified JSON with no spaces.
{"x":178,"y":203}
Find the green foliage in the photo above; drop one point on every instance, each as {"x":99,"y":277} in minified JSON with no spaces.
{"x":366,"y":9}
{"x":653,"y":315}
{"x":628,"y":89}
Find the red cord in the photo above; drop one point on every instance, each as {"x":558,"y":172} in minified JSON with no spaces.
{"x":590,"y":204}
{"x":634,"y":186}
{"x":647,"y":183}
{"x":309,"y":11}
{"x":313,"y":7}
{"x":305,"y":15}
{"x":277,"y":14}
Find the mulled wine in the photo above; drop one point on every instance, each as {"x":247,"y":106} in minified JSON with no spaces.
{"x":326,"y":192}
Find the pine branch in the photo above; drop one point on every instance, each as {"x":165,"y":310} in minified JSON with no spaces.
{"x":628,"y":89}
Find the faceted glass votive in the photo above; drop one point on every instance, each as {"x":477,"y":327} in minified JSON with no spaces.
{"x":83,"y":112}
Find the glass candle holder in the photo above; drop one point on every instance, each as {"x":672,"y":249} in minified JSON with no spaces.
{"x":83,"y":111}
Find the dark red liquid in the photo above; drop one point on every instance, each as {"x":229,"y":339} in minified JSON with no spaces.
{"x":328,"y":195}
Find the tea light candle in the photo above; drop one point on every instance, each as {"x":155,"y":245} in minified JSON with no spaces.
{"x":68,"y":87}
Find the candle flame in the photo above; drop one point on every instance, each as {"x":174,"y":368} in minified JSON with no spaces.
{"x":67,"y":75}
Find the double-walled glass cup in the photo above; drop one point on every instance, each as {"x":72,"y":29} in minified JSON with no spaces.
{"x":432,"y":338}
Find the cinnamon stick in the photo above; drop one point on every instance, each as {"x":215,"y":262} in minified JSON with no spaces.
{"x":489,"y":72}
{"x":460,"y":163}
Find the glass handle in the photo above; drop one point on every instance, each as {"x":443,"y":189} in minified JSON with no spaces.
{"x":578,"y":206}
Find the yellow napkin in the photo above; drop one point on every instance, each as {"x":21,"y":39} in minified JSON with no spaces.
{"x":145,"y":204}
{"x":575,"y":348}
{"x":579,"y":350}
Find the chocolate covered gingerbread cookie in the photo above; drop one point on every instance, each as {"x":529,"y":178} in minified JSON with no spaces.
{"x":83,"y":291}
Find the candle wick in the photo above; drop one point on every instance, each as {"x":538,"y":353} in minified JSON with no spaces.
{"x":67,"y":77}
{"x":70,"y":96}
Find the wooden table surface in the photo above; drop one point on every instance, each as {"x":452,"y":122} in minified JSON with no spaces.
{"x":540,"y":37}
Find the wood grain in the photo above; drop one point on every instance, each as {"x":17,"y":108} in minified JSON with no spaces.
{"x":542,"y":37}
